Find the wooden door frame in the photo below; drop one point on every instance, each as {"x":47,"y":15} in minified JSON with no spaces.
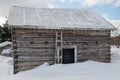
{"x":75,"y":51}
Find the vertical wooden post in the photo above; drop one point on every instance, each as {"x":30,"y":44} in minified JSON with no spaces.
{"x":15,"y":57}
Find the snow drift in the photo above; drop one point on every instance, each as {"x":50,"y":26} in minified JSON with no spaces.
{"x":89,"y":70}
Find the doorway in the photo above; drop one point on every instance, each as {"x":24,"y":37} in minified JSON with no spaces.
{"x":68,"y":55}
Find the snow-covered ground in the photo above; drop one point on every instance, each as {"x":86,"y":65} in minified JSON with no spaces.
{"x":5,"y":43}
{"x":5,"y":68}
{"x":6,"y":48}
{"x":6,"y":51}
{"x":88,"y":70}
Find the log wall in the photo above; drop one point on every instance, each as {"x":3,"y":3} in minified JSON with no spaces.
{"x":33,"y":47}
{"x":91,"y":45}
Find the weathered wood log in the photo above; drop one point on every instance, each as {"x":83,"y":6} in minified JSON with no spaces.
{"x":36,"y":47}
{"x":34,"y":54}
{"x":35,"y":39}
{"x":86,"y":38}
{"x":24,"y":30}
{"x":31,"y":59}
{"x":26,"y":50}
{"x":24,"y":68}
{"x":43,"y":34}
{"x":27,"y":64}
{"x":33,"y":51}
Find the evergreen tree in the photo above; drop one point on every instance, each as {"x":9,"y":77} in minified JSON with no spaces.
{"x":6,"y":33}
{"x":0,"y":33}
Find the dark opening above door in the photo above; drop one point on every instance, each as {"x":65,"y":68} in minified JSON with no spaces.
{"x":68,"y":56}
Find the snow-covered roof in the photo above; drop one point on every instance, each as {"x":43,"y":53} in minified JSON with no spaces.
{"x":55,"y":18}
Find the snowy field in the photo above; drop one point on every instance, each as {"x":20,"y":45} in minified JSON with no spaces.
{"x":88,"y":70}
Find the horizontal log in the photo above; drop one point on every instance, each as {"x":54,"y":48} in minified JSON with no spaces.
{"x":107,"y":54}
{"x":86,"y":38}
{"x":21,"y":50}
{"x":34,"y":39}
{"x":91,"y":47}
{"x":87,"y":58}
{"x":86,"y":47}
{"x":42,"y":54}
{"x":32,"y":36}
{"x":86,"y":35}
{"x":53,"y":30}
{"x":35,"y":36}
{"x":36,"y":47}
{"x":102,"y":49}
{"x":35,"y":42}
{"x":32,"y":43}
{"x":104,"y":52}
{"x":25,"y":68}
{"x":37,"y":51}
{"x":32,"y":59}
{"x":36,"y":33}
{"x":99,"y":34}
{"x":86,"y":51}
{"x":103,"y":44}
{"x":27,"y":64}
{"x":93,"y":51}
{"x":32,"y":49}
{"x":82,"y":59}
{"x":28,"y":31}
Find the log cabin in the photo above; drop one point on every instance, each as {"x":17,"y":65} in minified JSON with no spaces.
{"x":58,"y":36}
